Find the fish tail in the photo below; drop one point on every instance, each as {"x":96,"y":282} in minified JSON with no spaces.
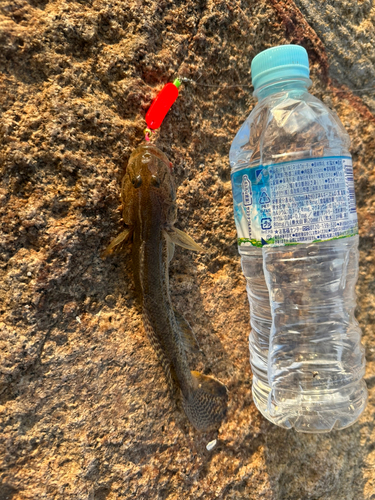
{"x":206,"y":403}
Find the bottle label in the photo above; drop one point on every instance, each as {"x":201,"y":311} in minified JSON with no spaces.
{"x":295,"y":202}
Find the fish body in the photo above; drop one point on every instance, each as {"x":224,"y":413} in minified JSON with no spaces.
{"x":149,"y":211}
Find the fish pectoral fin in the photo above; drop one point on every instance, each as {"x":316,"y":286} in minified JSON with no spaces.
{"x":182,"y":239}
{"x":170,"y":246}
{"x":188,"y":337}
{"x":123,"y":237}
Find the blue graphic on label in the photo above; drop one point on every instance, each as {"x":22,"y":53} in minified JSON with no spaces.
{"x":252,"y":205}
{"x":247,"y":199}
{"x":258,"y":173}
{"x":264,"y":198}
{"x":295,"y":202}
{"x":266,"y":223}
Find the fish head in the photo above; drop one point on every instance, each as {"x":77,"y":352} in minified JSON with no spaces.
{"x":149,"y":181}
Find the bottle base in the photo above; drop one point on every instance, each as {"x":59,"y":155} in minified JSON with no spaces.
{"x":335,"y":412}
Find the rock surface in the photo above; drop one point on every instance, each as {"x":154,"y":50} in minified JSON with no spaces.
{"x":84,"y":409}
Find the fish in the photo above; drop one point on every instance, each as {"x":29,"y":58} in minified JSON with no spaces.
{"x":149,"y":212}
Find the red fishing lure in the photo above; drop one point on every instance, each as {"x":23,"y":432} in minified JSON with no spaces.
{"x":161,"y":105}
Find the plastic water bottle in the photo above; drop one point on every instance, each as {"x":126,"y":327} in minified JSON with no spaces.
{"x":296,"y":220}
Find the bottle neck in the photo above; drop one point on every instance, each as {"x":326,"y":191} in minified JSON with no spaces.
{"x":298,"y":84}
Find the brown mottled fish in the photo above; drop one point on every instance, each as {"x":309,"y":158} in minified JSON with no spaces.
{"x":149,"y":210}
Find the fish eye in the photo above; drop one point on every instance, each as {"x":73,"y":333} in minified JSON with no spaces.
{"x":155,"y":181}
{"x":137,"y":181}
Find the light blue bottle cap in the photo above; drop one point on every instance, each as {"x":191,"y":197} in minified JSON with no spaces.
{"x":278,"y":63}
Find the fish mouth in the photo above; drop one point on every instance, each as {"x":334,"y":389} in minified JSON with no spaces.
{"x":150,"y":149}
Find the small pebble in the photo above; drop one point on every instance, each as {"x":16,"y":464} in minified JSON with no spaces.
{"x":110,"y":300}
{"x":78,"y":319}
{"x":211,"y":445}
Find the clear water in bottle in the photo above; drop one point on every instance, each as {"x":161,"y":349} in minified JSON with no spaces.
{"x":296,"y":221}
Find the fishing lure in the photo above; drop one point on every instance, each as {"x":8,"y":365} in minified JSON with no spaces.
{"x":162,"y":104}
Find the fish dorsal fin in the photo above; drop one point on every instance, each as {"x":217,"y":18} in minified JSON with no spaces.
{"x":182,"y":239}
{"x":123,"y":237}
{"x":188,"y":337}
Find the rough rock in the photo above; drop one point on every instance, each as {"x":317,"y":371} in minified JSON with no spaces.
{"x":84,"y":408}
